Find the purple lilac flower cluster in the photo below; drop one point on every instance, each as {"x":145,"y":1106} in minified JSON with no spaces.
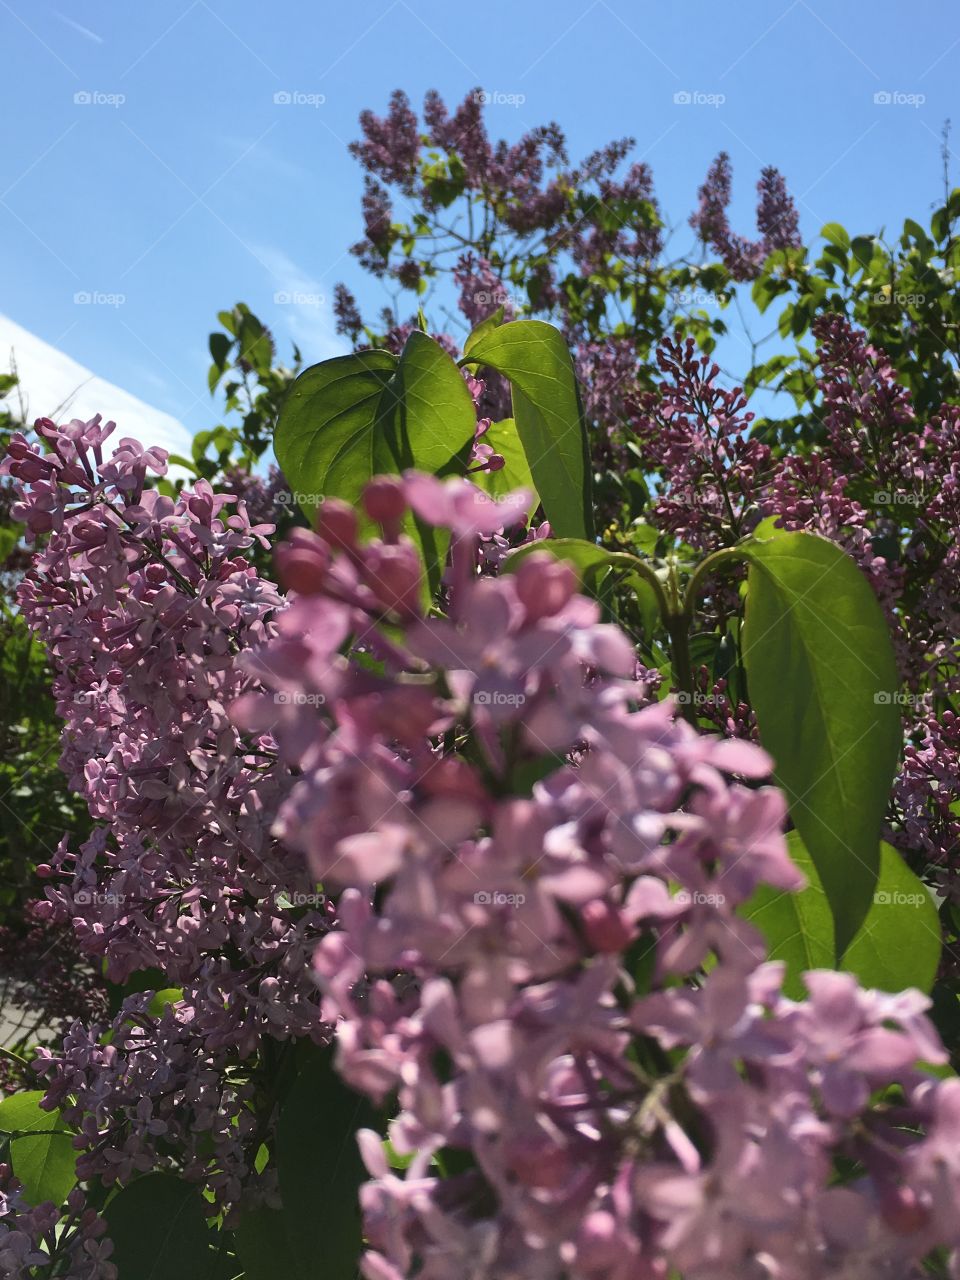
{"x":881,"y":485}
{"x":777,"y":220}
{"x":146,"y":606}
{"x":539,"y":953}
{"x":33,"y":1237}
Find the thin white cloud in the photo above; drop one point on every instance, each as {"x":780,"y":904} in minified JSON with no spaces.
{"x":303,"y":307}
{"x":263,"y":157}
{"x":84,"y":31}
{"x":53,"y":385}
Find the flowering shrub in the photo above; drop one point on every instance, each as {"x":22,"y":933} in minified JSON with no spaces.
{"x":485,"y":897}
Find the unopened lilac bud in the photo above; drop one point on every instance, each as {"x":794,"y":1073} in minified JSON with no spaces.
{"x":337,"y":524}
{"x":605,"y":927}
{"x":384,"y":500}
{"x":544,"y":584}
{"x":303,"y":562}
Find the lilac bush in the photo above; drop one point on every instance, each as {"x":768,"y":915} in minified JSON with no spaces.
{"x":477,"y":887}
{"x":529,"y":949}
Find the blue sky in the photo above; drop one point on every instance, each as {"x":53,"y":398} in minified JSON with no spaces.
{"x":147,"y":164}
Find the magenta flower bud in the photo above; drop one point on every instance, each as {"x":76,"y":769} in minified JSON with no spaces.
{"x":337,"y":524}
{"x":392,"y":572}
{"x":605,"y":927}
{"x":384,"y":500}
{"x":44,"y":870}
{"x":902,"y":1211}
{"x":598,"y":1245}
{"x":544,"y":584}
{"x":303,"y":562}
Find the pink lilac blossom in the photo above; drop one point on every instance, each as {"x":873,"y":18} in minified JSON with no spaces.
{"x":146,"y":605}
{"x":33,"y":1242}
{"x":537,"y":946}
{"x":539,"y":952}
{"x":776,"y":220}
{"x":697,"y":434}
{"x":883,"y":487}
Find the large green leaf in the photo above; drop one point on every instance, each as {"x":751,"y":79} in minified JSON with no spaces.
{"x":598,"y":569}
{"x":897,"y":946}
{"x":798,"y":927}
{"x":158,"y":1230}
{"x":44,"y":1159}
{"x":370,"y":413}
{"x":822,"y":681}
{"x":320,"y":1169}
{"x":480,"y":331}
{"x":265,"y":1249}
{"x":546,"y":408}
{"x":515,"y":474}
{"x":327,"y":424}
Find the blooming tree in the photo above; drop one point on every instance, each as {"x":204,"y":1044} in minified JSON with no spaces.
{"x":475,"y":893}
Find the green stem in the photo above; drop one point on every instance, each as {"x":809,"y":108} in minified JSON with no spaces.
{"x":678,"y":627}
{"x":635,"y":565}
{"x":713,"y":562}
